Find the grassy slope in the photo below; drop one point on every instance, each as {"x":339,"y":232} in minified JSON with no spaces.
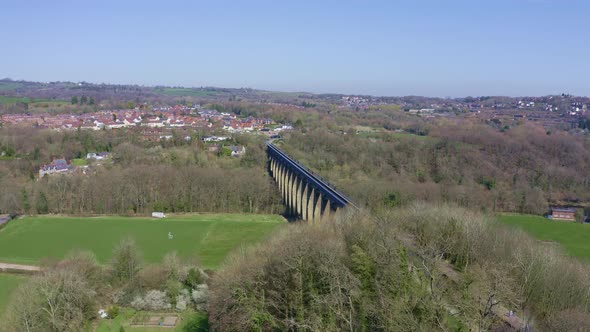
{"x":9,"y":86}
{"x":209,"y":237}
{"x":572,"y":236}
{"x":8,"y":283}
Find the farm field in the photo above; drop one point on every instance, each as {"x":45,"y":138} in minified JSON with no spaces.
{"x":8,"y":283}
{"x":573,"y":237}
{"x":208,"y":237}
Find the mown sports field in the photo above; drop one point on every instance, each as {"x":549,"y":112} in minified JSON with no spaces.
{"x":573,"y":237}
{"x":207,"y":237}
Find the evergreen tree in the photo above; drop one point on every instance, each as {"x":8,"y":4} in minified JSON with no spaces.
{"x":42,"y":205}
{"x":25,"y":201}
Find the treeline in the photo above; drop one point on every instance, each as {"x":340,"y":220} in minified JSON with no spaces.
{"x":142,"y":189}
{"x":83,"y":100}
{"x":524,"y":169}
{"x":140,"y":177}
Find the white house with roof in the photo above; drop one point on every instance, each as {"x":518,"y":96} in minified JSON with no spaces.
{"x":237,"y":150}
{"x":56,"y":166}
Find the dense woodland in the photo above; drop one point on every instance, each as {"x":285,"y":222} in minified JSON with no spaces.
{"x":380,"y":158}
{"x":523,"y":169}
{"x":418,"y":268}
{"x":142,"y":176}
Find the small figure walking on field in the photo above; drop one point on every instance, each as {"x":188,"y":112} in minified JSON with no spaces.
{"x":170,"y":236}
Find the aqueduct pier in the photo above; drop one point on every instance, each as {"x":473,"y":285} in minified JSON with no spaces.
{"x":306,"y":195}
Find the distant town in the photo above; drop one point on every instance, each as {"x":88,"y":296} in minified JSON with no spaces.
{"x":72,"y":105}
{"x":156,"y":124}
{"x":548,"y":111}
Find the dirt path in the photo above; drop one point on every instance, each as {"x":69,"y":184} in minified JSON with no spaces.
{"x":7,"y":267}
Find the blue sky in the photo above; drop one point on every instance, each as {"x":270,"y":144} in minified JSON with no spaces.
{"x":410,"y":47}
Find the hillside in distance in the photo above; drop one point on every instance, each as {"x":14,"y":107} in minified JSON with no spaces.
{"x":15,"y":94}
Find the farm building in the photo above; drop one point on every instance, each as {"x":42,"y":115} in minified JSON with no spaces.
{"x":560,"y":213}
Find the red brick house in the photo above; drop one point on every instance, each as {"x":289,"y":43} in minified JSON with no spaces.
{"x":559,"y":213}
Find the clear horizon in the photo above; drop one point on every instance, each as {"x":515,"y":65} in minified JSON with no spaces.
{"x":284,"y":91}
{"x":396,"y":48}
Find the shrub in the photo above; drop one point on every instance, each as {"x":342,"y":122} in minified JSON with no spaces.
{"x":86,"y":265}
{"x":173,"y":290}
{"x":138,"y":303}
{"x":197,"y":323}
{"x":182,"y":300}
{"x":193,"y":278}
{"x":153,"y":300}
{"x":113,"y":312}
{"x":126,"y":261}
{"x":153,"y":276}
{"x":172,"y":265}
{"x":200,"y":296}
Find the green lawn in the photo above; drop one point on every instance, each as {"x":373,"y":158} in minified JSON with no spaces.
{"x":208,"y":237}
{"x":126,"y":316}
{"x":8,"y":283}
{"x":572,"y":236}
{"x":79,"y":162}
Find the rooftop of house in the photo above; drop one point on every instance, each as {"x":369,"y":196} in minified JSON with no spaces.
{"x":562,"y":209}
{"x":236,"y":148}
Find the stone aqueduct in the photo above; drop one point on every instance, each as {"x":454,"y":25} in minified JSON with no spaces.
{"x":306,"y":195}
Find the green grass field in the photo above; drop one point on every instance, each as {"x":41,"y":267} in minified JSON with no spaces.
{"x":33,"y":102}
{"x":8,"y":283}
{"x":572,"y":236}
{"x":13,"y":100}
{"x":186,"y":92}
{"x":208,"y":237}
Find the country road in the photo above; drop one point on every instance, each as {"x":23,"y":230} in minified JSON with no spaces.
{"x":7,"y":267}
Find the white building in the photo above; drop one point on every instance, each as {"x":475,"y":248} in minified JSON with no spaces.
{"x":158,"y":215}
